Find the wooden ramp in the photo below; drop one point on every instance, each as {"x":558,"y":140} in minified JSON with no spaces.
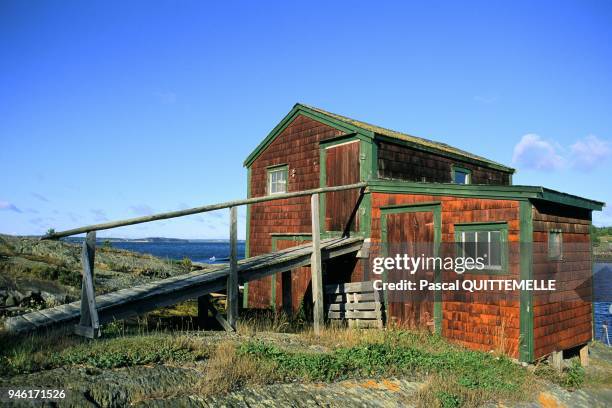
{"x":167,"y":292}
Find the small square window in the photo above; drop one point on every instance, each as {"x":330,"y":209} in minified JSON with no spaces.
{"x":277,"y":180}
{"x":461,"y":175}
{"x":555,"y":244}
{"x":486,"y":241}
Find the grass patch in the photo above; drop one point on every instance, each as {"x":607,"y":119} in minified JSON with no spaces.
{"x":571,"y":377}
{"x":473,"y":377}
{"x":228,"y":370}
{"x":131,"y":351}
{"x":38,"y":352}
{"x":471,"y":368}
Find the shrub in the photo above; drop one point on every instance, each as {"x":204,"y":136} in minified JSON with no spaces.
{"x":187,"y":264}
{"x":574,"y":376}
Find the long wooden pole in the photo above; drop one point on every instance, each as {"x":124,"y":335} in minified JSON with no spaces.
{"x":315,"y":266}
{"x":232,"y":279}
{"x":196,"y":210}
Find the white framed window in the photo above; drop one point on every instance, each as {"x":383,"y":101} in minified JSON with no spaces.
{"x":555,"y":244}
{"x":461,"y":175}
{"x":486,"y":241}
{"x":277,"y":180}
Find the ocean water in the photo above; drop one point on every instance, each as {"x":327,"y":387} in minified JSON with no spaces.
{"x":602,"y":301}
{"x":196,"y":251}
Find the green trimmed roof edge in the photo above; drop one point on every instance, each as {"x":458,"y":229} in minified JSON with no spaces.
{"x":511,"y":192}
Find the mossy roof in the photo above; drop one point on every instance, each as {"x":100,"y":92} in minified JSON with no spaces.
{"x":350,"y":124}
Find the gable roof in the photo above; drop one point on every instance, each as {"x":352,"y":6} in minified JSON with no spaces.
{"x":349,"y":125}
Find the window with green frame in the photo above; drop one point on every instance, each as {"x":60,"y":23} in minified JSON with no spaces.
{"x":461,"y":175}
{"x":555,"y":244}
{"x":486,"y":240}
{"x":277,"y":179}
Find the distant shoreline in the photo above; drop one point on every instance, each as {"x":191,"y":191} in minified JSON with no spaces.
{"x":150,"y":240}
{"x":136,"y":240}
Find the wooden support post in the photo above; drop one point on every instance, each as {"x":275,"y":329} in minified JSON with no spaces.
{"x":556,"y":360}
{"x":584,"y":355}
{"x":89,"y":325}
{"x":315,"y":266}
{"x":203,"y":307}
{"x":286,"y":291}
{"x":232,"y":279}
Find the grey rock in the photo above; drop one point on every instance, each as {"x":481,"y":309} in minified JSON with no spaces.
{"x":10,"y":301}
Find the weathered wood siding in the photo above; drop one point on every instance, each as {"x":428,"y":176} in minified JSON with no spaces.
{"x":479,"y":321}
{"x":298,"y":147}
{"x":298,"y":289}
{"x":562,"y":320}
{"x":398,"y":162}
{"x":342,"y":168}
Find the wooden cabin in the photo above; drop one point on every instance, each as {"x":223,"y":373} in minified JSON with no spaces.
{"x":423,"y":191}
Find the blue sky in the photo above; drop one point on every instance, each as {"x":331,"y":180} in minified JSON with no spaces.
{"x":111,"y":110}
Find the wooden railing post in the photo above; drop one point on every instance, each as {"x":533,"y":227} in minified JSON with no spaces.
{"x":315,"y":266}
{"x":232,"y":279}
{"x":89,"y":325}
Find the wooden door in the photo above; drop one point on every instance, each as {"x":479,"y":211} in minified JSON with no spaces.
{"x":342,"y":168}
{"x":293,"y":287}
{"x":411,"y":233}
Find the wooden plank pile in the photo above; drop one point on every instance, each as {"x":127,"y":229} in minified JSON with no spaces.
{"x":357,"y":303}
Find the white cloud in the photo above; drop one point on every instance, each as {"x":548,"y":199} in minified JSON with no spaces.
{"x":588,"y":153}
{"x":5,"y":205}
{"x":533,"y":152}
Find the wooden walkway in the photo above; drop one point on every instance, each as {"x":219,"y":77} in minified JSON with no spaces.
{"x":144,"y":298}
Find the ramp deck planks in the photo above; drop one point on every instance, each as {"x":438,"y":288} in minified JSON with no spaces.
{"x":166,"y":292}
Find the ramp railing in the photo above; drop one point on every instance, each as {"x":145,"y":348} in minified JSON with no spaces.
{"x":89,"y":323}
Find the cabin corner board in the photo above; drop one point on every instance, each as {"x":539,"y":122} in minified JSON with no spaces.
{"x":526,"y":340}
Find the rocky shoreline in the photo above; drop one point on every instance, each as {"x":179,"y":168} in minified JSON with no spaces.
{"x":38,"y":274}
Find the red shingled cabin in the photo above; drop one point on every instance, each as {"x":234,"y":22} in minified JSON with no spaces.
{"x":423,"y":191}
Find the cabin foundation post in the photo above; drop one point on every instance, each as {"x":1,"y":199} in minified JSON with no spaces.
{"x":232,"y":279}
{"x":556,"y":360}
{"x":89,"y":324}
{"x":203,"y":307}
{"x":584,"y":355}
{"x":286,"y":291}
{"x":315,"y":267}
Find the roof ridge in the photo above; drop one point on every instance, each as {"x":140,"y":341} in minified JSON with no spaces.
{"x":403,"y":136}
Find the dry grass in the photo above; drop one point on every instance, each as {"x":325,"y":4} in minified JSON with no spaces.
{"x":268,"y":321}
{"x":446,"y":393}
{"x":502,"y":343}
{"x":335,"y":337}
{"x":226,"y":371}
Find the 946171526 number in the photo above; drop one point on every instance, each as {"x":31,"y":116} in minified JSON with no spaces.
{"x":23,"y":393}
